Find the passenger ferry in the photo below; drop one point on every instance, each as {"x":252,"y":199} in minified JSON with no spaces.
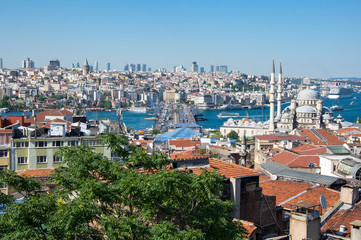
{"x":228,"y":115}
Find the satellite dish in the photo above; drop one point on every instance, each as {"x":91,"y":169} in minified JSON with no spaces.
{"x":273,"y":177}
{"x":323,"y":201}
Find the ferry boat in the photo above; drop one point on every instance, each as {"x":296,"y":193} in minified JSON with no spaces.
{"x":230,"y":107}
{"x":339,"y":92}
{"x":138,"y":109}
{"x":335,"y":108}
{"x":228,"y":115}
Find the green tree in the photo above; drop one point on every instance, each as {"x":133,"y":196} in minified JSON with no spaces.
{"x":155,"y":131}
{"x":232,"y":134}
{"x":100,"y":198}
{"x":216,"y":134}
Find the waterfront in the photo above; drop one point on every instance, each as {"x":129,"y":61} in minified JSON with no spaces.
{"x":136,"y":120}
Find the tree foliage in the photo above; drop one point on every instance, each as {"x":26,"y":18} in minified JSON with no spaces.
{"x":232,"y":134}
{"x":135,"y":197}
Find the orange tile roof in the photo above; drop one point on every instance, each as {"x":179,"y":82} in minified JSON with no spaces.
{"x":314,"y":195}
{"x":304,"y":147}
{"x":40,"y":117}
{"x":44,"y":172}
{"x":68,"y":124}
{"x":188,"y":155}
{"x":249,"y":226}
{"x":331,"y":138}
{"x":232,"y":170}
{"x":283,"y":190}
{"x":343,"y":217}
{"x":184,"y":143}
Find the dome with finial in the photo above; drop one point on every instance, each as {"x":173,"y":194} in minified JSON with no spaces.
{"x":308,"y":94}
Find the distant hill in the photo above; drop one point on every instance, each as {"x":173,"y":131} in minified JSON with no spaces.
{"x":349,"y":78}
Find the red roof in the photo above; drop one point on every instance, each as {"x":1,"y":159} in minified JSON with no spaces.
{"x":343,"y":217}
{"x":283,"y":190}
{"x":68,"y":124}
{"x":232,"y":170}
{"x":184,"y":143}
{"x":189,"y":155}
{"x":295,"y":160}
{"x":314,"y":195}
{"x":331,"y":138}
{"x":249,"y":226}
{"x":40,"y":117}
{"x":43,"y":172}
{"x":272,"y":137}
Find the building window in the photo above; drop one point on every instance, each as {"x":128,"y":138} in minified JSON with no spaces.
{"x":91,"y":142}
{"x":22,"y":160}
{"x":3,"y":153}
{"x":58,"y":143}
{"x":73,"y":143}
{"x":57,"y":159}
{"x":41,"y":159}
{"x":20,"y":144}
{"x":41,"y":144}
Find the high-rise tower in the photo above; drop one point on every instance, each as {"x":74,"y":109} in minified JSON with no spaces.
{"x":279,"y":93}
{"x":86,"y":67}
{"x":272,"y":99}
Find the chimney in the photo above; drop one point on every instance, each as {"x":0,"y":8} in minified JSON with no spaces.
{"x":356,"y":230}
{"x":349,"y":194}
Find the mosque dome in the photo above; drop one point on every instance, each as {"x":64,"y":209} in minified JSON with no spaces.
{"x":305,"y":109}
{"x":308,"y":94}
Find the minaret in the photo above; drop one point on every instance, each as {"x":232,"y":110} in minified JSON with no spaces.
{"x":279,"y":92}
{"x":243,"y":153}
{"x":272,"y":100}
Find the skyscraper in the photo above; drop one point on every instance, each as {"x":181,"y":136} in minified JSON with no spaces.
{"x":108,"y":67}
{"x":1,"y":63}
{"x":96,"y":66}
{"x":144,"y":67}
{"x":202,"y":70}
{"x":212,"y":68}
{"x":126,"y":67}
{"x":54,"y":62}
{"x":27,"y":63}
{"x":223,"y":68}
{"x":194,"y":67}
{"x":138,"y":67}
{"x":78,"y":65}
{"x":217,"y":68}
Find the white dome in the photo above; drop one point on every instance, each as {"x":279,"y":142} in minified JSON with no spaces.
{"x":305,"y":109}
{"x":308,"y":94}
{"x":285,"y":115}
{"x":326,"y":117}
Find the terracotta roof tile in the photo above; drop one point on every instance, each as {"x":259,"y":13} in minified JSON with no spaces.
{"x":249,"y":226}
{"x":314,"y":195}
{"x":283,"y":190}
{"x":331,"y":138}
{"x":184,"y":143}
{"x":44,"y":172}
{"x":343,"y":217}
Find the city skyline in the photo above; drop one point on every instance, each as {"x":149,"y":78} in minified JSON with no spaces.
{"x":313,"y":39}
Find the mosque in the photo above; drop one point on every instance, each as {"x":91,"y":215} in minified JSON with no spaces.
{"x":307,"y":111}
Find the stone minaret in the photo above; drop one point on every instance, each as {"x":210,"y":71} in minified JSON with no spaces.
{"x":86,"y":67}
{"x":279,"y":93}
{"x":243,"y":153}
{"x":272,"y":100}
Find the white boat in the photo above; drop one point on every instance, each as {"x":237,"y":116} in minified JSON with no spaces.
{"x":138,"y":109}
{"x":228,"y":115}
{"x":337,"y":92}
{"x":335,"y":108}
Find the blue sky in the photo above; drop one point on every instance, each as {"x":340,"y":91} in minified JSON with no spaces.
{"x":312,"y":38}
